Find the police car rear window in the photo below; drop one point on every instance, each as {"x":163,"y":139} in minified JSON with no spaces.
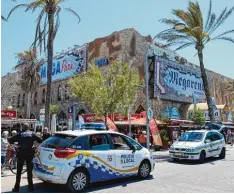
{"x":58,"y":141}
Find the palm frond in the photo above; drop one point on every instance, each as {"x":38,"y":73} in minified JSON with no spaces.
{"x":196,"y":14}
{"x":184,"y":46}
{"x":3,"y":18}
{"x":184,"y":16}
{"x":223,"y":17}
{"x":172,"y":22}
{"x":218,"y":20}
{"x":225,"y":33}
{"x":229,"y":39}
{"x":211,"y":22}
{"x":208,"y":16}
{"x":74,"y":13}
{"x":15,"y":8}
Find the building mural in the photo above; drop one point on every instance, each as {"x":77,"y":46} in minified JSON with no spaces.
{"x":66,"y":66}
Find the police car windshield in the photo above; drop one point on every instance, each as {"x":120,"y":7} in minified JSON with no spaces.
{"x":58,"y":141}
{"x":192,"y":136}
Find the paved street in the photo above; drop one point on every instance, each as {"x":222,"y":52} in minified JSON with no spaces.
{"x":213,"y":176}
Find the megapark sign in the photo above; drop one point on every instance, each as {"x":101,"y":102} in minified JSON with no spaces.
{"x":66,"y":66}
{"x":177,"y":82}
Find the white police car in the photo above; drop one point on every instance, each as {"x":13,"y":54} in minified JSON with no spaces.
{"x":77,"y":158}
{"x":198,"y":145}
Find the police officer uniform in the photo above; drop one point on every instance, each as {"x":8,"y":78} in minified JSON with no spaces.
{"x":25,"y":153}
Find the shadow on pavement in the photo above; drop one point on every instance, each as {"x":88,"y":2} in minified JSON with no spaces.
{"x":210,"y":160}
{"x":53,"y":188}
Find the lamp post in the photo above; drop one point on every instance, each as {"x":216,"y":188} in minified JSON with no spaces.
{"x":177,"y":27}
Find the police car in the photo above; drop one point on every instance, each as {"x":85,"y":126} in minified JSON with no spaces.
{"x":198,"y":145}
{"x":77,"y":158}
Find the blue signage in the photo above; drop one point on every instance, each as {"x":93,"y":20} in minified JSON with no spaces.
{"x":101,"y":62}
{"x":66,"y":66}
{"x":172,"y":113}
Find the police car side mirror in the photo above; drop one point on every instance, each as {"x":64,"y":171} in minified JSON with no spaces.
{"x":133,"y":149}
{"x":207,"y":141}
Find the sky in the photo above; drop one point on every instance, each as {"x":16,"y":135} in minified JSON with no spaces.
{"x":100,"y":18}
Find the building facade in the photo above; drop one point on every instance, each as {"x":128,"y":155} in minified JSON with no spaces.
{"x":174,"y":83}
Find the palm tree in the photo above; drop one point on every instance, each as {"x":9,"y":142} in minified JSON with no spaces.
{"x":29,"y":69}
{"x":47,"y":26}
{"x":197,"y":33}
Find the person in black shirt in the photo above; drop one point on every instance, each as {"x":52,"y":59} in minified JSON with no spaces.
{"x":46,"y":134}
{"x":25,"y":140}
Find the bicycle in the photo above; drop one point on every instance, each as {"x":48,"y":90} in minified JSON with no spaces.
{"x":12,"y":163}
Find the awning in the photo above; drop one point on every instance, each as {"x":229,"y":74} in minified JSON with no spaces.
{"x":139,"y":122}
{"x":201,"y":106}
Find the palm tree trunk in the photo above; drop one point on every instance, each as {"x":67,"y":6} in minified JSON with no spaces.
{"x":49,"y":67}
{"x":28,"y":108}
{"x":205,"y":84}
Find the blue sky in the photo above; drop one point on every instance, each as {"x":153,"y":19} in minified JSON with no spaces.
{"x":102,"y":17}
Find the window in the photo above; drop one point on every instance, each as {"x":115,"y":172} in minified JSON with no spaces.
{"x":66,"y":92}
{"x":192,"y":136}
{"x":43,"y":95}
{"x":58,"y":141}
{"x":216,"y":136}
{"x":119,"y":143}
{"x":59,"y":93}
{"x":23,"y":100}
{"x":132,"y":142}
{"x":35,"y":98}
{"x":18,"y":101}
{"x":81,"y":143}
{"x":209,"y":136}
{"x":99,"y":142}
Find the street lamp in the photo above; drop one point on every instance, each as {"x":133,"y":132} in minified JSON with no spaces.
{"x":177,"y":27}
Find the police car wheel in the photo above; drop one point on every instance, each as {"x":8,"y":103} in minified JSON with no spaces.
{"x":144,"y":170}
{"x":202,"y":157}
{"x":222,"y":154}
{"x":78,"y":180}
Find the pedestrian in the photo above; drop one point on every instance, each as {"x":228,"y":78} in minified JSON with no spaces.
{"x":229,"y":136}
{"x":4,"y":145}
{"x":143,"y":139}
{"x":232,"y":141}
{"x":46,"y":134}
{"x":25,"y":139}
{"x":130,"y":134}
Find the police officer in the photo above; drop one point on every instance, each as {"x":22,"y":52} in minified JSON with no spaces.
{"x":25,"y":140}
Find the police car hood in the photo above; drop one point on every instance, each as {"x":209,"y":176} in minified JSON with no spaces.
{"x":186,"y":144}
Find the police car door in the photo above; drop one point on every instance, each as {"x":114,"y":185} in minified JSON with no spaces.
{"x":102,"y":160}
{"x":126,"y":159}
{"x":209,"y":146}
{"x":217,"y":143}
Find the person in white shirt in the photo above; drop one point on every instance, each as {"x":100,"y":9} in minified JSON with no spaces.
{"x":4,"y":144}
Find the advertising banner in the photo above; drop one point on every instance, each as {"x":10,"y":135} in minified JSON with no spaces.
{"x":66,"y":66}
{"x":10,"y":114}
{"x":111,"y":125}
{"x":177,"y":82}
{"x":155,"y":132}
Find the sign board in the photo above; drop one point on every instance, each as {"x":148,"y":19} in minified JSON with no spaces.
{"x":42,"y":111}
{"x":150,"y":113}
{"x":172,"y":113}
{"x":42,"y":115}
{"x":67,"y":66}
{"x":42,"y":118}
{"x":70,"y":109}
{"x":177,"y":82}
{"x":10,"y":114}
{"x":217,"y":115}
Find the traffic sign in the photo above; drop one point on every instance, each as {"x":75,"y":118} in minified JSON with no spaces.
{"x":150,"y":113}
